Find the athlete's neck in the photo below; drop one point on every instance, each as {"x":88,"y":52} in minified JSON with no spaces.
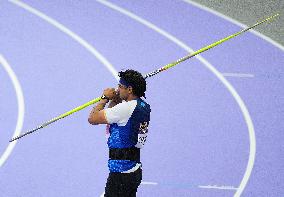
{"x":131,"y":97}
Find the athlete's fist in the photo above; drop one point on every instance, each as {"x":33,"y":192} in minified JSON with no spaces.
{"x":110,"y":93}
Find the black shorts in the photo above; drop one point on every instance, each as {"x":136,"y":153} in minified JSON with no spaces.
{"x":123,"y":184}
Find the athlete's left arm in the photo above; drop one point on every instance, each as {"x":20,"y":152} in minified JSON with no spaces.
{"x":97,"y":115}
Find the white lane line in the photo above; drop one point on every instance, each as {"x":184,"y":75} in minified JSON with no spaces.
{"x":251,"y":128}
{"x":218,"y":187}
{"x":67,"y":31}
{"x":230,"y":88}
{"x":77,"y":38}
{"x":149,"y":183}
{"x":21,"y":109}
{"x":276,"y":44}
{"x":240,"y":75}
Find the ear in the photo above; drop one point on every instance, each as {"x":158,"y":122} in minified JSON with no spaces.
{"x":130,"y":90}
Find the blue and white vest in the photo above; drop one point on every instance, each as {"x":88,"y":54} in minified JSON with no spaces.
{"x":131,"y":132}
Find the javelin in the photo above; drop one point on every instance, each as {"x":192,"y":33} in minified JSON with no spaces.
{"x":146,"y":76}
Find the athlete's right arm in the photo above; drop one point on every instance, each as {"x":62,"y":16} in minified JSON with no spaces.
{"x":112,"y":104}
{"x":114,"y":101}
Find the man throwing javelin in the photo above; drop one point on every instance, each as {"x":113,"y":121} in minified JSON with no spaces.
{"x":127,"y":117}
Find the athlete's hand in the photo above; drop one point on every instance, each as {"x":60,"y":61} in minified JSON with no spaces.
{"x":117,"y":98}
{"x":110,"y":93}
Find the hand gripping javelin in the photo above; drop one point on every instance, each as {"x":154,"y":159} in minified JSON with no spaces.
{"x":146,"y":76}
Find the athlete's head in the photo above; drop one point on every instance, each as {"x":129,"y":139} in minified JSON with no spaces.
{"x":131,"y":83}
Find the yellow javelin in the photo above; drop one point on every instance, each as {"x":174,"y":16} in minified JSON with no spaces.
{"x":146,"y":76}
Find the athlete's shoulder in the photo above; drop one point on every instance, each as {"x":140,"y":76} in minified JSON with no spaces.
{"x":144,"y":104}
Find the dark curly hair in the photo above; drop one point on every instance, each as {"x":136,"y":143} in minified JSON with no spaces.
{"x":135,"y":80}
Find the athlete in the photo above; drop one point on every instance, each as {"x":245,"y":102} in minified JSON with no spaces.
{"x":127,"y":118}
